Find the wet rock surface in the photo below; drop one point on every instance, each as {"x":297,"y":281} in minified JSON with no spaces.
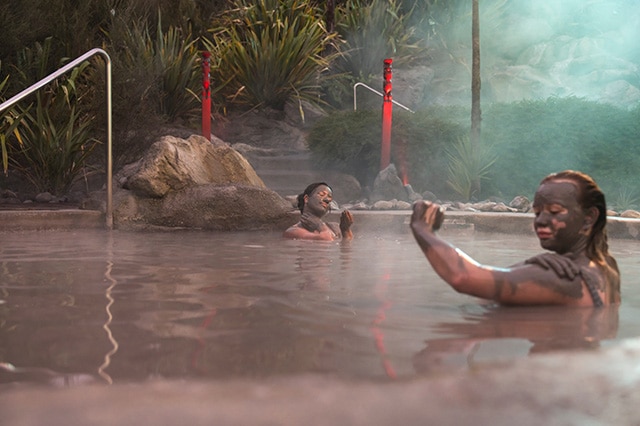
{"x":193,"y":183}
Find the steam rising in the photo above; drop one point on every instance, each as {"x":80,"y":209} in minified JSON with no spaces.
{"x":537,"y":49}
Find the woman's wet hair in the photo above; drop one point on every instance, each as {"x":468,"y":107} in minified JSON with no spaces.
{"x":308,"y":191}
{"x":589,"y":195}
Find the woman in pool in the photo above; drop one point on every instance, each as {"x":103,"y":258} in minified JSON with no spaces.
{"x":570,"y":220}
{"x":314,"y":204}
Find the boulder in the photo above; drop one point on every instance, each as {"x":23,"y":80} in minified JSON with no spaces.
{"x":520,"y":203}
{"x":211,"y":207}
{"x":193,"y":183}
{"x":388,"y":186}
{"x":172,"y":164}
{"x":630,"y":214}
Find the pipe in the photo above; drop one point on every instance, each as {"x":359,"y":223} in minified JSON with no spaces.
{"x":206,"y":96}
{"x":387,"y":112}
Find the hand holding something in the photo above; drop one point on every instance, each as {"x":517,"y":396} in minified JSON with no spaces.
{"x":346,"y":220}
{"x":310,"y":222}
{"x":563,"y":266}
{"x":427,"y":214}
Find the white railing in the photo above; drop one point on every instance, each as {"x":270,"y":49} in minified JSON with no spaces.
{"x":355,"y":102}
{"x":33,"y":88}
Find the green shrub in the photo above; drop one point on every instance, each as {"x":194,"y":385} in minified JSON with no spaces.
{"x":164,"y":66}
{"x":156,"y":80}
{"x":623,"y":199}
{"x":374,"y":30}
{"x":535,"y":138}
{"x":469,"y":165}
{"x":8,"y":124}
{"x":52,"y":140}
{"x":48,"y":140}
{"x":528,"y":140}
{"x":52,"y":155}
{"x":371,"y":31}
{"x":350,"y":142}
{"x":268,"y":52}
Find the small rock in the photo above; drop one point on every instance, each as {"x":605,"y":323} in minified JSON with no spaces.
{"x":10,"y":201}
{"x":503,"y":208}
{"x":484,"y":207}
{"x":631,"y":214}
{"x":429,"y":196}
{"x":359,"y":206}
{"x":382,"y":205}
{"x":521,"y":203}
{"x":8,"y":194}
{"x":44,"y":197}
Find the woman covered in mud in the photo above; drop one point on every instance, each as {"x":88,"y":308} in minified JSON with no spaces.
{"x":570,"y":221}
{"x":314,"y":203}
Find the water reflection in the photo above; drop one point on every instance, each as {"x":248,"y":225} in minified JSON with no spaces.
{"x":545,"y":329}
{"x":319,"y":263}
{"x":208,"y":306}
{"x":108,"y":295}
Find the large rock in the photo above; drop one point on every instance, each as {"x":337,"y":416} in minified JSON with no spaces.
{"x":211,"y":207}
{"x":388,"y":186}
{"x":172,"y":164}
{"x":193,"y":183}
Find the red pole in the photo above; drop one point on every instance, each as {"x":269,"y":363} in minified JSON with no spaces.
{"x":206,"y":96}
{"x":387,"y":104}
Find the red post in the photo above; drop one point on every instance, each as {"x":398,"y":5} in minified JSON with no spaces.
{"x":206,"y":96}
{"x":387,"y":104}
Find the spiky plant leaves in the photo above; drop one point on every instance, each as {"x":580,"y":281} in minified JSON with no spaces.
{"x":270,"y":51}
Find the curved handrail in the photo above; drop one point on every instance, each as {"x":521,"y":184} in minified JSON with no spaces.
{"x":29,"y":90}
{"x":355,"y":86}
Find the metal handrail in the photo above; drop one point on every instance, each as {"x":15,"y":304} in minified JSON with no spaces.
{"x":29,"y":90}
{"x":355,"y":86}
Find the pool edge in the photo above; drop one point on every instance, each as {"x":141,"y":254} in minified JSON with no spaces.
{"x":380,"y":220}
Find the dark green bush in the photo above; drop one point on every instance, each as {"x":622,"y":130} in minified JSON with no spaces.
{"x":535,"y":138}
{"x":52,"y":140}
{"x":529,"y":140}
{"x":374,"y":30}
{"x":268,"y":52}
{"x":351,"y":142}
{"x":371,"y":31}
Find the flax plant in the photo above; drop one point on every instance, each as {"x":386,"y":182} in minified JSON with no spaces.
{"x":375,"y":30}
{"x":270,"y":51}
{"x":53,"y":154}
{"x":8,"y":125}
{"x":165,"y":65}
{"x":469,"y":164}
{"x":625,"y":199}
{"x":50,"y":141}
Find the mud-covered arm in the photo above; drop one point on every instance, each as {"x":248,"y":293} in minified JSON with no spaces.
{"x":527,"y":284}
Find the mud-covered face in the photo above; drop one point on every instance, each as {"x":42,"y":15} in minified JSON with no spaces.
{"x":318,"y":202}
{"x":561,"y":224}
